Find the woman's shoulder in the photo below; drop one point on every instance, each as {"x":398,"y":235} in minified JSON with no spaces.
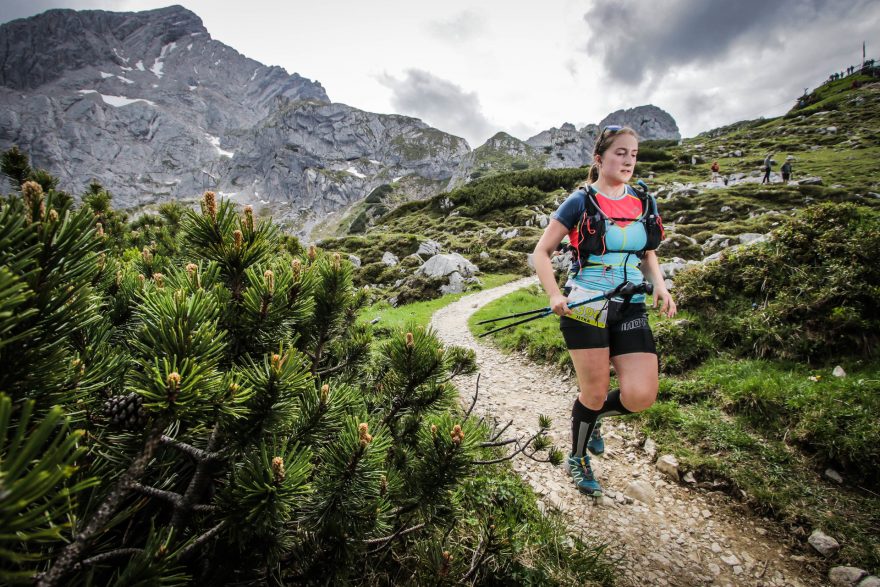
{"x":571,"y":208}
{"x":577,"y":198}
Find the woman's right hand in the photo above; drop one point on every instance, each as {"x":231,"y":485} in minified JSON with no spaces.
{"x":559,"y":305}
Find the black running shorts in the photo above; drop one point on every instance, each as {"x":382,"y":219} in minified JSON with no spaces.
{"x":626,"y":331}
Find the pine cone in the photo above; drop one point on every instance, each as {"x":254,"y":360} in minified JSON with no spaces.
{"x":126,"y":411}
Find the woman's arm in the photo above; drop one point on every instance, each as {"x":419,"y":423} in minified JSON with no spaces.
{"x":551,"y":238}
{"x":651,"y":270}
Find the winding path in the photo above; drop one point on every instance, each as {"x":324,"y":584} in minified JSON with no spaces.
{"x":680,"y":537}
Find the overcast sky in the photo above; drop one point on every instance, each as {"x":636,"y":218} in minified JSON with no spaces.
{"x":474,"y":68}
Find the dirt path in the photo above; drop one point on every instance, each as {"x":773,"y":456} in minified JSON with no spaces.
{"x":681,"y":537}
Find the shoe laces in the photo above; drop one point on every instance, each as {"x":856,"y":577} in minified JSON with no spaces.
{"x":587,"y":468}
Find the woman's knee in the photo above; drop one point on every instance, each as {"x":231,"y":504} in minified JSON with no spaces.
{"x":638,"y":397}
{"x":593,"y":397}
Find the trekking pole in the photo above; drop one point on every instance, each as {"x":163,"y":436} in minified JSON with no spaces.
{"x":627,"y":289}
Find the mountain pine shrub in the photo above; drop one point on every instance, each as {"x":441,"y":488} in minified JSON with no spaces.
{"x":215,"y":414}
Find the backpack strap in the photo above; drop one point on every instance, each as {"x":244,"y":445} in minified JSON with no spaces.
{"x":650,"y":218}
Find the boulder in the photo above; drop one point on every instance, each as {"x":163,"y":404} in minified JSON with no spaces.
{"x":442,"y":265}
{"x":747,"y":238}
{"x":846,"y":576}
{"x":668,"y":465}
{"x":833,"y":475}
{"x":429,"y":248}
{"x":641,"y":490}
{"x":355,"y":260}
{"x":456,"y":284}
{"x":670,"y":269}
{"x":542,"y":220}
{"x":838,"y":371}
{"x":390,"y":259}
{"x":650,"y":448}
{"x":823,"y":543}
{"x":507,"y":234}
{"x":717,"y":240}
{"x":561,"y":262}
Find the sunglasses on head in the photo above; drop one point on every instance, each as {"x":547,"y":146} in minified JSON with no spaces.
{"x":612,"y":128}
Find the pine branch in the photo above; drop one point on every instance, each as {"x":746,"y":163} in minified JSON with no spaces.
{"x":119,"y":552}
{"x":169,"y":496}
{"x":334,"y":369}
{"x":509,"y":457}
{"x":532,"y":456}
{"x":498,"y":443}
{"x":474,"y":402}
{"x":195,"y":544}
{"x":387,"y":539}
{"x":479,"y":555}
{"x":73,"y":551}
{"x":319,"y":351}
{"x":458,"y":370}
{"x":183,"y":510}
{"x":500,"y":432}
{"x":196,"y":453}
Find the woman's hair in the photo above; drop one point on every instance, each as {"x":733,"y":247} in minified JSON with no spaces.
{"x":603,"y":142}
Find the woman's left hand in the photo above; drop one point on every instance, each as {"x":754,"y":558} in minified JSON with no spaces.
{"x":663,"y":298}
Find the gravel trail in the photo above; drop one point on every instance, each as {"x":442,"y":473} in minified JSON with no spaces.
{"x":679,"y":535}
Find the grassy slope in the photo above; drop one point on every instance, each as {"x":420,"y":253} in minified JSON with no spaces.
{"x":749,"y":427}
{"x":390,"y":319}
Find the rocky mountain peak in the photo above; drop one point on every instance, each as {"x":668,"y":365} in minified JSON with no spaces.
{"x":649,"y":121}
{"x":40,"y":49}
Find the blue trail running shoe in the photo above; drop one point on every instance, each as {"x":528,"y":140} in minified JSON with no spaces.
{"x":596,"y":445}
{"x":582,"y":473}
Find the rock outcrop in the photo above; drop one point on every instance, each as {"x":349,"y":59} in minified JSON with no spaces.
{"x":649,"y":121}
{"x":566,"y":146}
{"x":152,"y":107}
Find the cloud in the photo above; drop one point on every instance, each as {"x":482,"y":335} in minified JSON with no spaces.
{"x":439,"y":103}
{"x":637,"y":43}
{"x":462,"y":27}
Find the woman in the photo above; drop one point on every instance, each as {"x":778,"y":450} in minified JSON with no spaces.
{"x":615,"y":330}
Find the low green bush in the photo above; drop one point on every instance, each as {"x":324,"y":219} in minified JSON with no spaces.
{"x":808,"y":294}
{"x":681,"y":345}
{"x":502,"y":261}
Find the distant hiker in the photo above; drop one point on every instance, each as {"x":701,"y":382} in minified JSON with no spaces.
{"x":715,"y":170}
{"x":613,"y":231}
{"x":786,"y":170}
{"x":768,"y":163}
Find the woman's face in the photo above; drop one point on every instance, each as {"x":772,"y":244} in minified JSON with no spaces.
{"x":619,"y":160}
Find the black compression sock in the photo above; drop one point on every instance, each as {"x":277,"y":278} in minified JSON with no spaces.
{"x":583,"y":420}
{"x":613,"y":406}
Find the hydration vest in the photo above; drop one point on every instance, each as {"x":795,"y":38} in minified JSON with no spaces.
{"x":588,"y":236}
